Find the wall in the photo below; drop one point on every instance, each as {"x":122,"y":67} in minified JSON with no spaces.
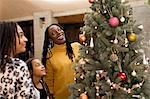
{"x":141,"y":13}
{"x":41,"y":21}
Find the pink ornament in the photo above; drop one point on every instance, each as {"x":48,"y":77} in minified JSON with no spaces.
{"x":114,"y":21}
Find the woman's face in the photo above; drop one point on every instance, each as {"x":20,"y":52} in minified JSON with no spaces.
{"x":57,"y":34}
{"x":38,"y":68}
{"x":20,"y":41}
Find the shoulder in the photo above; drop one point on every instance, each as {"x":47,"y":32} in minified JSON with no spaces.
{"x":75,"y":44}
{"x":76,"y":47}
{"x":19,"y":64}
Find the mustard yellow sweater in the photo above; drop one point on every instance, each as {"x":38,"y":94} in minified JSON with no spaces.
{"x":59,"y":70}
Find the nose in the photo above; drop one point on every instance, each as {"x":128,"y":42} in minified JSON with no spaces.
{"x":25,"y":39}
{"x":42,"y":66}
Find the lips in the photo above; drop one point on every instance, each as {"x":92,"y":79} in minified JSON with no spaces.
{"x":24,"y":45}
{"x":61,"y":37}
{"x":43,"y":70}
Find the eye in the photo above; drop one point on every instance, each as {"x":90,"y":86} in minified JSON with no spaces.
{"x":59,"y":29}
{"x":21,"y":35}
{"x":38,"y":64}
{"x":53,"y":33}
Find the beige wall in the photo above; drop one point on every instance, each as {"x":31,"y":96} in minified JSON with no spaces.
{"x":141,"y":14}
{"x":22,"y":8}
{"x":39,"y":29}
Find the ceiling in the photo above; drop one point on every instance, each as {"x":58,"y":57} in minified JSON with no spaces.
{"x":10,"y":9}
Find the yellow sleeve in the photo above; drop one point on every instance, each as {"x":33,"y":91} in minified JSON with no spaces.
{"x":49,"y":78}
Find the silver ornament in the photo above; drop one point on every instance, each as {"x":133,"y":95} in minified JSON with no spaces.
{"x":122,"y":19}
{"x":140,"y":27}
{"x":116,"y":41}
{"x":133,"y":73}
{"x":123,"y":1}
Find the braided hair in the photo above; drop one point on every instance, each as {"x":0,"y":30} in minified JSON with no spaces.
{"x":30,"y":68}
{"x":48,"y":44}
{"x":8,"y":32}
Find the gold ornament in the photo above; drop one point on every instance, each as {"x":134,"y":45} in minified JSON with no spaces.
{"x":83,"y":96}
{"x":113,"y":57}
{"x":79,"y":90}
{"x":132,"y":37}
{"x":98,"y":77}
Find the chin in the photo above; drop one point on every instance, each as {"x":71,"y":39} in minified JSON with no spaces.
{"x":61,"y":42}
{"x":23,"y":50}
{"x":44,"y":74}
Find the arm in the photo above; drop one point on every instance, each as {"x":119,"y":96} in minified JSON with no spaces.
{"x":49,"y":79}
{"x":24,"y":86}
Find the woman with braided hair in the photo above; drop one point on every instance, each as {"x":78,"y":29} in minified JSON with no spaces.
{"x":58,"y":57}
{"x":15,"y":79}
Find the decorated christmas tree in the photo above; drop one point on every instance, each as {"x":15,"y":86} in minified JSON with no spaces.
{"x":112,"y":62}
{"x":148,"y":2}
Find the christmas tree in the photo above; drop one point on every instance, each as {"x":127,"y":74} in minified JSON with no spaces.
{"x":149,"y":2}
{"x":112,"y":62}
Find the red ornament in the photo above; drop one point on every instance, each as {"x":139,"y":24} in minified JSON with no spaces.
{"x":91,"y":1}
{"x":114,"y":21}
{"x":122,"y":75}
{"x":82,"y":38}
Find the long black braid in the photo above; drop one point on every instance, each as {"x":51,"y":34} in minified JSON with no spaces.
{"x":8,"y":31}
{"x":48,"y":44}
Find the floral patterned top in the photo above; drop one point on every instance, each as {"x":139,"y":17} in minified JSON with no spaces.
{"x":15,"y":82}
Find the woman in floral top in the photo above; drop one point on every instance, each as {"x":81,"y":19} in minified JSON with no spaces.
{"x":15,"y":80}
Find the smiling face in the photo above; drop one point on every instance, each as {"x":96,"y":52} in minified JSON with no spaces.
{"x":38,"y":68}
{"x":57,"y":34}
{"x":20,"y":41}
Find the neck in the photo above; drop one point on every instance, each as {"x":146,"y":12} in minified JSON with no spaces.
{"x":36,"y":80}
{"x":61,"y":46}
